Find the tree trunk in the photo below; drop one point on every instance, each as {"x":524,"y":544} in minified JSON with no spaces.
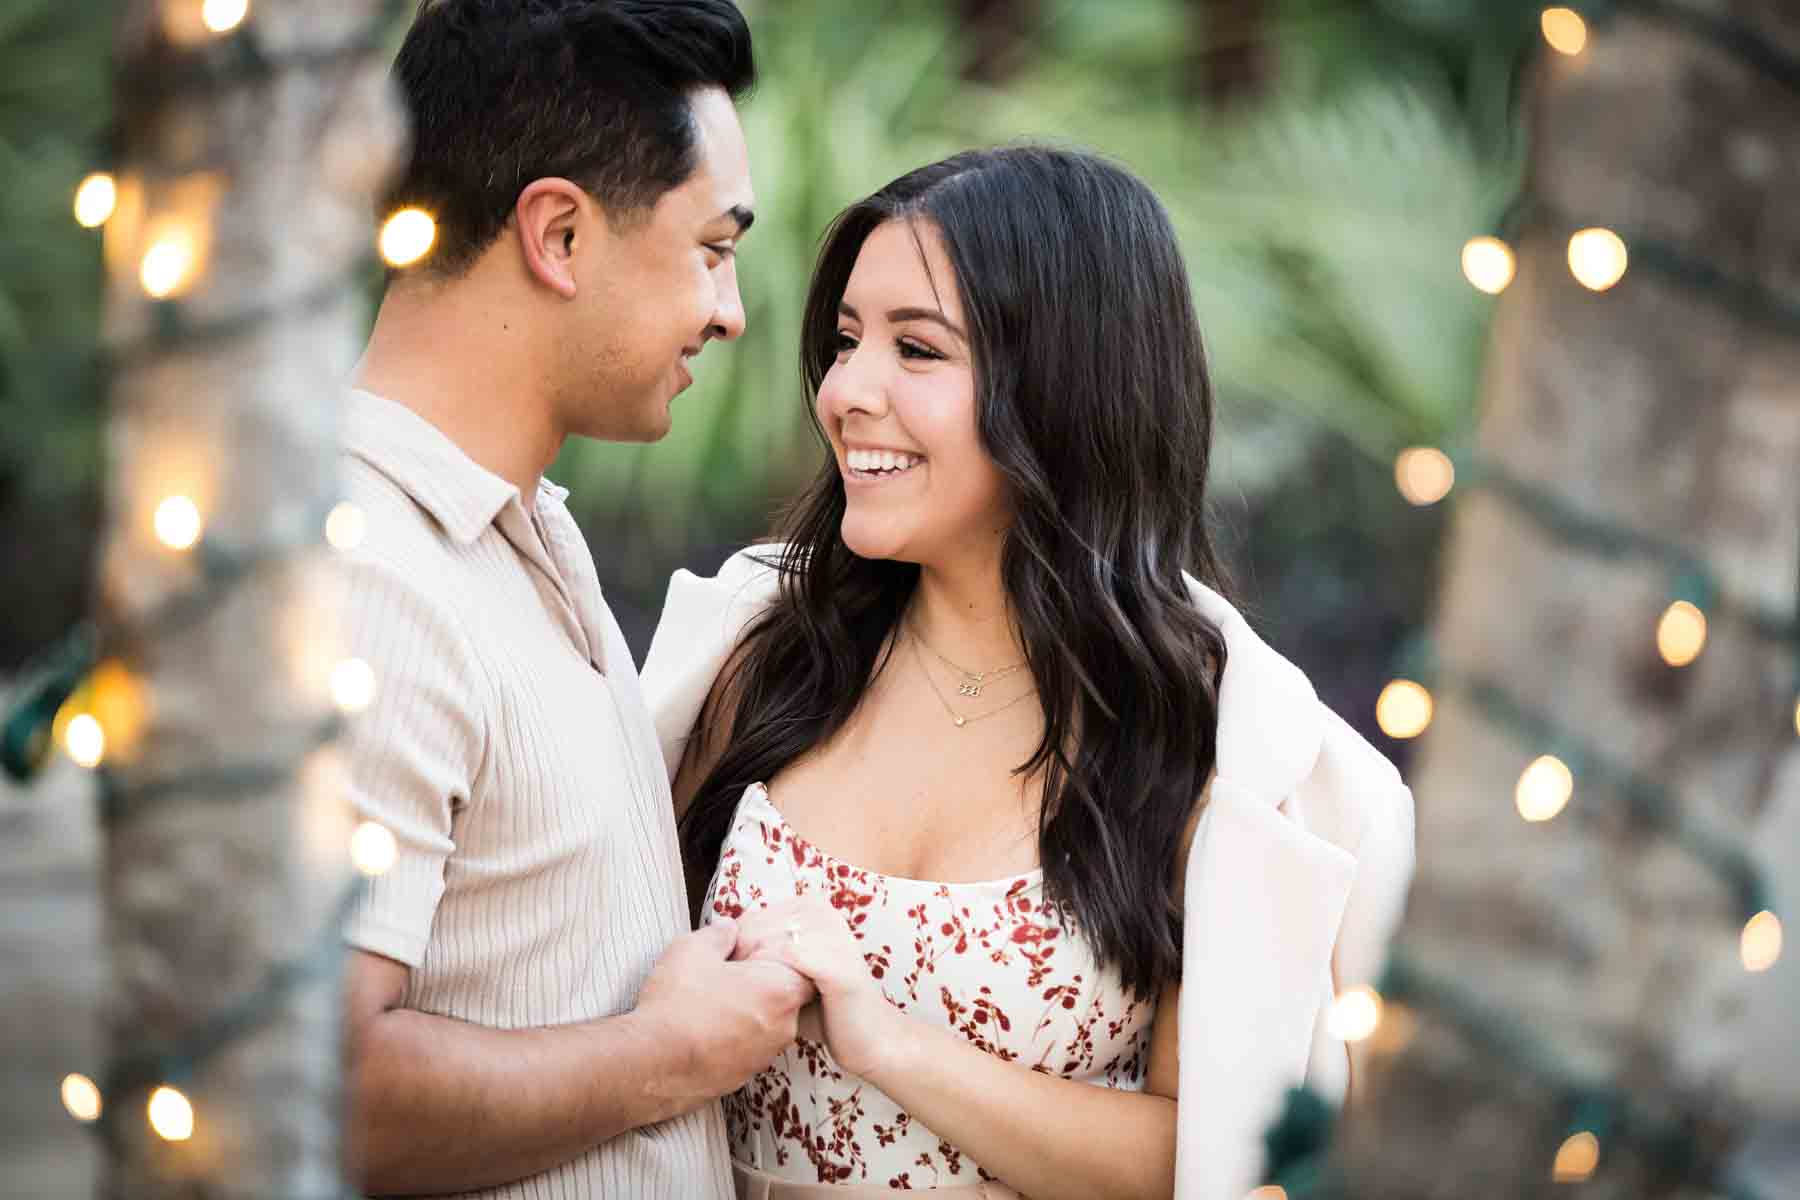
{"x":249,"y":161}
{"x":1667,"y":406}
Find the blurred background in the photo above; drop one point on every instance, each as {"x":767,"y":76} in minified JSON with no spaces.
{"x":1327,"y":163}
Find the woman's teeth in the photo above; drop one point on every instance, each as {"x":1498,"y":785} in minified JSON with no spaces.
{"x":880,"y":462}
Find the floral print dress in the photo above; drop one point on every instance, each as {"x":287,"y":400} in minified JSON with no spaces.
{"x":989,"y":960}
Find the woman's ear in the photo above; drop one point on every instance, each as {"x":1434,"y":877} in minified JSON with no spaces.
{"x":549,"y":219}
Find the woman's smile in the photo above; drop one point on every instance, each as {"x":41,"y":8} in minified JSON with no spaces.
{"x":879,"y":466}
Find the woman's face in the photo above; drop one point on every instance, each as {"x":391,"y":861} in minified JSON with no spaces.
{"x":898,"y":405}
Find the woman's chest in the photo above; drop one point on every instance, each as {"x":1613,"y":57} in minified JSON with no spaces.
{"x":918,"y":811}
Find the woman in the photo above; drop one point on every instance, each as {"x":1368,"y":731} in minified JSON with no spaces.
{"x":978,"y":753}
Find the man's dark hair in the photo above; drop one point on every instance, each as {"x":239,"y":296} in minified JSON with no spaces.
{"x":502,"y":92}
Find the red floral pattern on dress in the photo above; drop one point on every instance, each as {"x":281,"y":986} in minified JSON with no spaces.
{"x":993,"y":961}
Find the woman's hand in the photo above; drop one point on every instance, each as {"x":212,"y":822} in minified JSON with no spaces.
{"x":860,"y":1028}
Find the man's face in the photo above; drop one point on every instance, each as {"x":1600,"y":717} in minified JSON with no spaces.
{"x":658,"y":288}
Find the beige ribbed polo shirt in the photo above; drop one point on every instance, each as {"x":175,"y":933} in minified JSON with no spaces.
{"x":509,"y":751}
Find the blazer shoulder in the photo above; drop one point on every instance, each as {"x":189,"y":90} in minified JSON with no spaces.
{"x":1354,"y":792}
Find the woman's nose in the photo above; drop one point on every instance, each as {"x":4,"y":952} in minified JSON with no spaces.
{"x":855,"y":384}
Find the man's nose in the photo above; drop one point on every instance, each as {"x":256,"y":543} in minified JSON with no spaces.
{"x":728,"y":318}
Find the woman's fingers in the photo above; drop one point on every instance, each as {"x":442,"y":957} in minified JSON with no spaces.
{"x":808,"y":935}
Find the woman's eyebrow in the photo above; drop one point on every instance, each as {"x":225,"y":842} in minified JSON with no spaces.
{"x":896,"y":315}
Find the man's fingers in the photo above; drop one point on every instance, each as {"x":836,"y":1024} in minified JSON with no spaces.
{"x":719,"y":936}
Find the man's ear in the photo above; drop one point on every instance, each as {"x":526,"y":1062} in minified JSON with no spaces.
{"x":550,"y":217}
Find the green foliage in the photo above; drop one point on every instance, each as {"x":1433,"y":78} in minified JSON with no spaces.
{"x":52,"y":110}
{"x":53,"y":78}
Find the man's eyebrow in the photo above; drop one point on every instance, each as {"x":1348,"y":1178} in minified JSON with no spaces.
{"x":897,"y":315}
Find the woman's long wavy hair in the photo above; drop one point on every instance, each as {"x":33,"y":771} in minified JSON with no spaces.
{"x":1092,"y":398}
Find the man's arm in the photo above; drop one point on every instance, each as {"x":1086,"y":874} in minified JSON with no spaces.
{"x":439,"y":1105}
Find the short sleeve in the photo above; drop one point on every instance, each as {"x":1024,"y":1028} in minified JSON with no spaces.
{"x":414,"y":753}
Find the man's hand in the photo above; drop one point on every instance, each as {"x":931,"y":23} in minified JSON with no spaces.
{"x":733,"y":1018}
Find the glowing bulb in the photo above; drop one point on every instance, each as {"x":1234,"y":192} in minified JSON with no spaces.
{"x":1797,"y":718}
{"x":1597,"y":258}
{"x":95,"y":200}
{"x":1760,"y":946}
{"x":120,"y":702}
{"x":353,"y":685}
{"x":1564,"y":30}
{"x":81,"y":1097}
{"x":1355,"y":1014}
{"x":171,"y":1115}
{"x":1424,"y":475}
{"x":168,"y":265}
{"x":222,"y":16}
{"x":1268,"y":1191}
{"x":407,"y":237}
{"x":178,"y":523}
{"x":345,"y":526}
{"x":85,"y":740}
{"x":373,"y":849}
{"x":1544,"y":788}
{"x":1487,"y":262}
{"x":1681,"y":634}
{"x":1576,"y":1158}
{"x":1404,"y":709}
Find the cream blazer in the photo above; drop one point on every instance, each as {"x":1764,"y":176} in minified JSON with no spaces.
{"x":1298,"y":869}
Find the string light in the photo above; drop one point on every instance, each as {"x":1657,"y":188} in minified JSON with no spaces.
{"x":81,"y":1098}
{"x":1488,"y":263}
{"x":222,"y":16}
{"x":373,"y":849}
{"x":1760,"y":945}
{"x":178,"y":523}
{"x":168,"y":266}
{"x":345,"y":526}
{"x":1576,"y":1158}
{"x":85,"y":740}
{"x":120,"y":702}
{"x":171,"y":1115}
{"x":1564,"y":30}
{"x":1424,"y":475}
{"x":1404,"y":709}
{"x":1545,"y":788}
{"x":1681,"y":634}
{"x":1268,"y":1191}
{"x":95,"y":200}
{"x":1797,"y":718}
{"x":1597,"y":258}
{"x":353,"y":685}
{"x":407,"y":237}
{"x":1355,"y":1014}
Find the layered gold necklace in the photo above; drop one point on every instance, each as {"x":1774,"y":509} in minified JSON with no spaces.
{"x":971,"y":685}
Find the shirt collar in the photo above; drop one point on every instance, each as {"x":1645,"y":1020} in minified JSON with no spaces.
{"x":460,"y":494}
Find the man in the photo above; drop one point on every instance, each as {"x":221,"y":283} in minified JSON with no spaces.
{"x":528,"y":1015}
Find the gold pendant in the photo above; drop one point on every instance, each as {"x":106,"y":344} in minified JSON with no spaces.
{"x":968,"y":689}
{"x":961,"y":721}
